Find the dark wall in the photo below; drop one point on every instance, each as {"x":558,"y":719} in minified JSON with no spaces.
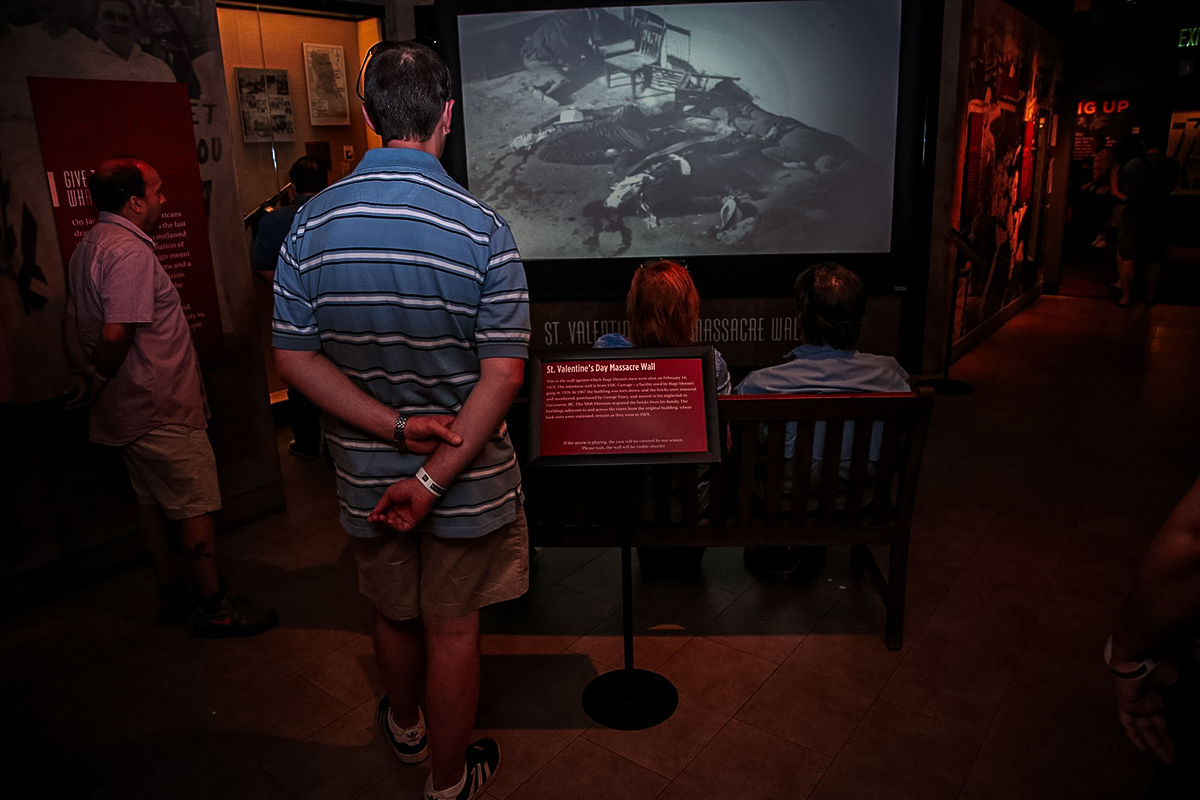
{"x":1117,"y":48}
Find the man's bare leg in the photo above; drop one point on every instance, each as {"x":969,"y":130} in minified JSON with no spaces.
{"x":400,"y":654}
{"x":452,"y":692}
{"x":1153,"y":271}
{"x":219,"y":614}
{"x":200,"y":550}
{"x":1125,"y":272}
{"x":152,"y":530}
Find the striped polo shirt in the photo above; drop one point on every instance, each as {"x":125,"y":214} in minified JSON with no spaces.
{"x":405,"y":281}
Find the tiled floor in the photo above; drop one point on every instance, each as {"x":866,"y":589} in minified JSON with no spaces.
{"x":1039,"y":493}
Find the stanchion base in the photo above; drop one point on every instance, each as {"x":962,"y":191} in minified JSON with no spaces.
{"x":946,"y":386}
{"x":630,"y":699}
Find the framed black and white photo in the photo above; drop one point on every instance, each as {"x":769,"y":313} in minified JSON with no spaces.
{"x":265,"y":103}
{"x":325,"y":68}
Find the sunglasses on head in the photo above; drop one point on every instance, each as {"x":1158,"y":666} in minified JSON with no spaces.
{"x":383,"y":47}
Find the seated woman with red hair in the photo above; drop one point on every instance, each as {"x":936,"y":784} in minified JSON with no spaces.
{"x":662,"y":309}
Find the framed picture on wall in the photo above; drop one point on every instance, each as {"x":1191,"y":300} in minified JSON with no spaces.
{"x":325,"y":68}
{"x":265,"y":103}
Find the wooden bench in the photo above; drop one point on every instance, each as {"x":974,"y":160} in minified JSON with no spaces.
{"x":751,"y":497}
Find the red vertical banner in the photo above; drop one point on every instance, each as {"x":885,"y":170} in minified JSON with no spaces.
{"x":82,"y":122}
{"x":1028,"y":152}
{"x":974,"y":156}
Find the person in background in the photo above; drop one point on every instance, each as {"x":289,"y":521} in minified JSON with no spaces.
{"x":127,"y":335}
{"x":1154,"y":653}
{"x":121,"y":58}
{"x":662,"y":309}
{"x":1148,"y":178}
{"x":404,"y":310}
{"x":308,"y":177}
{"x":558,"y":46}
{"x":831,"y":303}
{"x":1101,"y":186}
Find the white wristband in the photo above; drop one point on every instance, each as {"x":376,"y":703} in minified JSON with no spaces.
{"x":429,"y":483}
{"x":1140,"y":671}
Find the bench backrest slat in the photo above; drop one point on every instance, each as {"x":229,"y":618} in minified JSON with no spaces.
{"x":830,"y":468}
{"x":801,"y":465}
{"x":773,"y":480}
{"x":885,"y":474}
{"x":856,"y":495}
{"x":747,"y":446}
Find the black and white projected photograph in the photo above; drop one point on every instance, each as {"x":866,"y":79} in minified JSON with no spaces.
{"x":700,"y":129}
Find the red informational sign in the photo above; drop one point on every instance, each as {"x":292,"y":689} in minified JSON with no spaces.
{"x":623,"y":406}
{"x":1028,"y":151}
{"x":1009,"y":86}
{"x":1100,"y":122}
{"x":82,"y":122}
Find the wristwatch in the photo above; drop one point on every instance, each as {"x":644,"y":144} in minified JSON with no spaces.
{"x":398,"y":433}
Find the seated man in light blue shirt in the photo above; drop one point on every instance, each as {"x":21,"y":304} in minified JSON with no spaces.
{"x":831,"y":302}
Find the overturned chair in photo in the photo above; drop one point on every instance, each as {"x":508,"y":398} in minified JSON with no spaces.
{"x":864,"y":500}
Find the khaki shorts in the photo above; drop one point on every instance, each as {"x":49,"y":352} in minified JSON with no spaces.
{"x":174,"y":467}
{"x":408,"y":575}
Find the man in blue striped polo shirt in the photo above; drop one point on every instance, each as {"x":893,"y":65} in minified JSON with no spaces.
{"x":401,"y":309}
